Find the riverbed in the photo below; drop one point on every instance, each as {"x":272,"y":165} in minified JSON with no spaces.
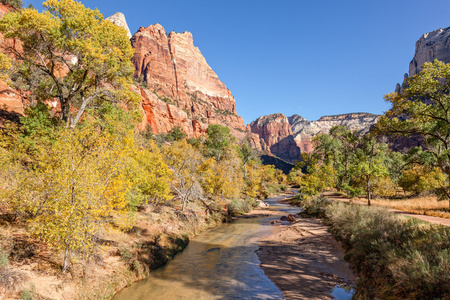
{"x":223,"y":263}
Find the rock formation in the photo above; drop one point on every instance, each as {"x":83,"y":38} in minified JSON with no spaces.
{"x":177,"y":86}
{"x":119,"y":19}
{"x":431,"y":46}
{"x":175,"y":71}
{"x":276,"y":133}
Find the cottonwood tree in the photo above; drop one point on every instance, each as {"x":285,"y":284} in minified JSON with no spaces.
{"x":76,"y":187}
{"x":185,"y":162}
{"x":68,"y":53}
{"x":424,"y":109}
{"x":370,"y":163}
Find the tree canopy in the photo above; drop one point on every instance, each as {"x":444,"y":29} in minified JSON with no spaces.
{"x":68,"y":53}
{"x":423,"y":109}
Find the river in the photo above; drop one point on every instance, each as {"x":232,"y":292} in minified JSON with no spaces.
{"x":221,"y":263}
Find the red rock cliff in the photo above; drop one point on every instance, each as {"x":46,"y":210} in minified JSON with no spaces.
{"x":276,"y":133}
{"x":182,"y":89}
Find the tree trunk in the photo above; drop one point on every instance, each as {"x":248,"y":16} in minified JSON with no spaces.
{"x":368,"y":191}
{"x":66,"y":256}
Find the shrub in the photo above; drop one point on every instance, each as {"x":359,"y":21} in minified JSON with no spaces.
{"x":238,"y":207}
{"x":316,"y":206}
{"x":394,"y":258}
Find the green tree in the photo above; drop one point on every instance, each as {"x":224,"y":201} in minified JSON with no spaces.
{"x":218,"y":138}
{"x":246,"y":153}
{"x":423,"y":110}
{"x":176,"y":134}
{"x":71,"y":54}
{"x":370,"y":163}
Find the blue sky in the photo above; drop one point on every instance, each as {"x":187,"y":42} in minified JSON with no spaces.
{"x":311,"y":58}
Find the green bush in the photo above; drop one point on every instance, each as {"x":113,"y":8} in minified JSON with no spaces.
{"x":394,"y":257}
{"x":238,"y":207}
{"x":316,"y":206}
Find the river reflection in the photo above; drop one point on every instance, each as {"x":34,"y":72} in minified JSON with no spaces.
{"x":219,"y":264}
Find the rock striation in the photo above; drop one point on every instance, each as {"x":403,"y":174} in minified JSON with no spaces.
{"x":175,"y":71}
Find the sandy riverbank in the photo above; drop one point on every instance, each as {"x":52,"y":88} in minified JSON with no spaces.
{"x":303,"y":259}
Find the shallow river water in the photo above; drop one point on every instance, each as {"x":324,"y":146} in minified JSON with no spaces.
{"x":219,"y":264}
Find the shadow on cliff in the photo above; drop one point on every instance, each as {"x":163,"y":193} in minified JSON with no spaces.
{"x":287,"y":149}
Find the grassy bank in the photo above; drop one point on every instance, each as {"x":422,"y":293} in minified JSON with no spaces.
{"x":395,"y":258}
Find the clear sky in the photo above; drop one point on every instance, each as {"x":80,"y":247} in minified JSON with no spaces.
{"x":312,"y":58}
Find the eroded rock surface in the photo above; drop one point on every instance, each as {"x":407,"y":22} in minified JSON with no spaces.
{"x":276,"y":133}
{"x":119,"y":19}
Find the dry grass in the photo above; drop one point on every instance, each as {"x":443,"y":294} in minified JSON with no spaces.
{"x":427,"y":205}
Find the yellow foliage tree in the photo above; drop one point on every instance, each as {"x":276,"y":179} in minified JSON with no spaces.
{"x":75,"y":188}
{"x":68,"y":53}
{"x":421,"y":178}
{"x":185,"y":161}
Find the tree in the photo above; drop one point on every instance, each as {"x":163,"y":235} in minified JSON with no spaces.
{"x":185,"y":162}
{"x":71,"y":54}
{"x":176,"y":134}
{"x":218,"y":138}
{"x":370,"y":163}
{"x":421,"y":178}
{"x":245,"y":153}
{"x":74,"y":189}
{"x":423,"y":109}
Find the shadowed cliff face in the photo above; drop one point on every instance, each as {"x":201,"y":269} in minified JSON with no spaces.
{"x":276,"y":133}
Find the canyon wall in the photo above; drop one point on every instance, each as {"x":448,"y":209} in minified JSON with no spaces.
{"x":276,"y":136}
{"x":432,"y":45}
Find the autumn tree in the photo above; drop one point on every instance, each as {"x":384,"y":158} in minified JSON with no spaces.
{"x":76,"y":187}
{"x":423,"y":110}
{"x":185,"y":161}
{"x":68,"y":53}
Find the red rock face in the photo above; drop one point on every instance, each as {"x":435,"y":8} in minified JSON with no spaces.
{"x":178,"y":75}
{"x":276,"y":133}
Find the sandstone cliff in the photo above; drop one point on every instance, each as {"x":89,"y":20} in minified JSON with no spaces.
{"x":276,"y":133}
{"x":119,"y":19}
{"x":175,"y":71}
{"x":432,"y":45}
{"x":177,"y":86}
